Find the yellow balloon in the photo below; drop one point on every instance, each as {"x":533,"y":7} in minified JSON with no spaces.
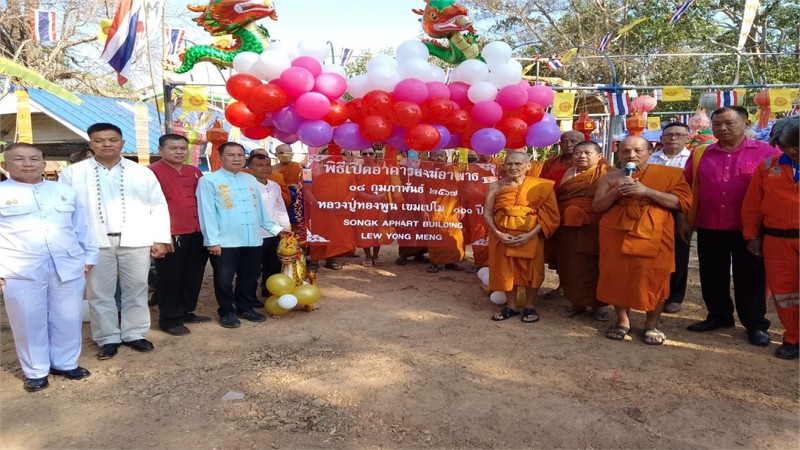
{"x":307,"y":294}
{"x":280,"y":284}
{"x":271,"y":305}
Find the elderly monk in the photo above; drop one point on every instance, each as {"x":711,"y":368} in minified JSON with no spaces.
{"x":637,"y":241}
{"x":520,"y":212}
{"x":439,"y":190}
{"x":565,"y":146}
{"x":577,"y":238}
{"x":472,"y":195}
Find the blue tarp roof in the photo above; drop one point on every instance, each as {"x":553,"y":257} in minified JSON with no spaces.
{"x":100,"y":109}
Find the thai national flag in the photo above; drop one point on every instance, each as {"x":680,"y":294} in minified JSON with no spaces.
{"x":658,"y":94}
{"x":727,"y":98}
{"x":676,"y":16}
{"x":683,"y":118}
{"x":43,"y":26}
{"x":618,"y":103}
{"x":121,"y":41}
{"x":604,"y":42}
{"x":174,"y":40}
{"x":553,"y":63}
{"x":346,"y":54}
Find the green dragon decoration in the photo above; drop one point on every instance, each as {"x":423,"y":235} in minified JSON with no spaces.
{"x":229,"y":17}
{"x":446,"y":19}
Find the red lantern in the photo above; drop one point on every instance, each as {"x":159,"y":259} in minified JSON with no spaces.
{"x":217,"y":136}
{"x":762,"y":101}
{"x":585,"y":125}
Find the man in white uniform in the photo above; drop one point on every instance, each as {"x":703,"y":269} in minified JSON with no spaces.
{"x":45,"y":250}
{"x":128,"y":215}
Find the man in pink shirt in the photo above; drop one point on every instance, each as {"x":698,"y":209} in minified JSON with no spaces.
{"x":723,"y":175}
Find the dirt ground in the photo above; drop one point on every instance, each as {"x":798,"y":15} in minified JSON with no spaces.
{"x":396,"y":357}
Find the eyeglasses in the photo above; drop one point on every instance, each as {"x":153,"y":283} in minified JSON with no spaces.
{"x":674,"y":135}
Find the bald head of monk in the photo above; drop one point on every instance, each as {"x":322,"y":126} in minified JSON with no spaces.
{"x":517,"y":164}
{"x":284,"y":153}
{"x":634,"y":149}
{"x":568,"y":141}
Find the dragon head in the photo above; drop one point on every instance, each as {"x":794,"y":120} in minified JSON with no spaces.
{"x":443,"y":18}
{"x":227,"y":16}
{"x":288,"y":246}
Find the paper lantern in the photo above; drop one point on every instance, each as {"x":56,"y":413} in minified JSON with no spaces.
{"x":636,"y":124}
{"x":644,"y":104}
{"x":762,"y":100}
{"x":585,"y":125}
{"x":708,"y":101}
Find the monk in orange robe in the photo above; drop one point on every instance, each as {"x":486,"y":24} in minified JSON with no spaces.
{"x":577,"y":238}
{"x":520,"y":212}
{"x":565,"y":146}
{"x":637,"y":240}
{"x":374,"y":180}
{"x":293,"y":178}
{"x":444,"y":191}
{"x":534,"y":171}
{"x":472,"y":195}
{"x":330,"y":225}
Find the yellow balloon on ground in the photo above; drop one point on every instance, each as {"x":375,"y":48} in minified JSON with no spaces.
{"x":280,"y":284}
{"x":271,"y":305}
{"x":307,"y":294}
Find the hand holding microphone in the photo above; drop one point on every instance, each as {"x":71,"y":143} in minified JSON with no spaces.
{"x":628,"y":186}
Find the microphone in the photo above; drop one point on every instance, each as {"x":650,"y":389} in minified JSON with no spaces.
{"x":630,"y":168}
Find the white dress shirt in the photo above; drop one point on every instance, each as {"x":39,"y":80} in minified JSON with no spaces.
{"x":660,"y":158}
{"x":273,"y":203}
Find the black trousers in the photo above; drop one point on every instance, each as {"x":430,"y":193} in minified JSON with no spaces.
{"x":244,"y":263}
{"x":716,"y":249}
{"x":179,"y":277}
{"x":270,"y":264}
{"x":678,"y":279}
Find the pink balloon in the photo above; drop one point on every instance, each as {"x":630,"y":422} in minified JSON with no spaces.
{"x":296,"y":80}
{"x":458,"y":93}
{"x":541,"y":94}
{"x":308,"y":63}
{"x":487,"y":113}
{"x":512,"y":97}
{"x":437,"y":89}
{"x":411,"y":90}
{"x":524,"y":84}
{"x":312,"y":105}
{"x":331,"y":85}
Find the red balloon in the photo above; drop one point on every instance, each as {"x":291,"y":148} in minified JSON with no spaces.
{"x":405,"y":114}
{"x":422,"y":137}
{"x":466,"y":135}
{"x":267,"y":97}
{"x":337,"y":115}
{"x":458,"y":121}
{"x":241,"y":85}
{"x":377,"y":103}
{"x":239,"y":115}
{"x":375,"y":128}
{"x":530,"y":112}
{"x":514,"y":130}
{"x":437,"y":110}
{"x":257,"y":133}
{"x":355,"y":110}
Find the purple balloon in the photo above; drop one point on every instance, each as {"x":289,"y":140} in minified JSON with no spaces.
{"x":488,"y":141}
{"x":455,"y":141}
{"x":411,"y":90}
{"x":542,"y":134}
{"x":287,"y":119}
{"x":348,"y":136}
{"x":444,"y":137}
{"x":487,"y":113}
{"x":315,"y":133}
{"x":398,"y":139}
{"x":548,"y":118}
{"x":286,"y":137}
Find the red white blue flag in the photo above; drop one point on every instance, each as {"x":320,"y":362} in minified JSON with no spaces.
{"x":554,"y":63}
{"x":604,"y":42}
{"x":727,"y":98}
{"x":121,"y":41}
{"x":676,"y":16}
{"x":43,"y":26}
{"x":619,"y":104}
{"x":174,"y":40}
{"x":683,"y":118}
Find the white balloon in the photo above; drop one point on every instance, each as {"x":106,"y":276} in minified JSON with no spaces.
{"x":506,"y":74}
{"x":496,"y":52}
{"x":483,"y":275}
{"x":289,"y":50}
{"x":270,"y":65}
{"x":334,"y":68}
{"x":497,"y":297}
{"x":411,"y":49}
{"x":415,"y":68}
{"x":358,"y":86}
{"x":437,"y":74}
{"x":482,"y":91}
{"x":383,"y":78}
{"x":287,"y":301}
{"x":472,"y":71}
{"x":244,"y":61}
{"x":313,"y":48}
{"x":381,"y":61}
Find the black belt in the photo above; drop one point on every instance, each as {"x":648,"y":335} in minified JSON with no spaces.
{"x":114,"y":234}
{"x":789,"y":234}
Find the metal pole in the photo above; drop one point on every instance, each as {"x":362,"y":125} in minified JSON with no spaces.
{"x":702,"y":87}
{"x":333,"y":56}
{"x":167,"y":108}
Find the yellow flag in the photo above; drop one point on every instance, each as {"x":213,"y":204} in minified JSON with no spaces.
{"x":741,"y":94}
{"x":780,"y":100}
{"x":675,"y":94}
{"x":568,"y":55}
{"x":653,"y":123}
{"x":195,"y":98}
{"x":102,"y":33}
{"x":564,"y":104}
{"x":628,"y":27}
{"x":24,"y":128}
{"x":141,"y":120}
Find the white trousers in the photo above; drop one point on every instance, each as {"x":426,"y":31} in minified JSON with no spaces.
{"x":129,"y":266}
{"x":45,"y":318}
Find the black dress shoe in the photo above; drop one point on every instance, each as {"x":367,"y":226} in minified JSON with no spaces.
{"x":73,"y":374}
{"x":758,"y":337}
{"x":107,"y":351}
{"x":193,"y":318}
{"x":229,"y":321}
{"x":177,"y":330}
{"x":709,"y":325}
{"x":140,"y":345}
{"x":788,"y":351}
{"x":35,"y":384}
{"x":252,"y":316}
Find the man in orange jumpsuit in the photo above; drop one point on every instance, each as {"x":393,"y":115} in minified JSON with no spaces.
{"x":772,"y":209}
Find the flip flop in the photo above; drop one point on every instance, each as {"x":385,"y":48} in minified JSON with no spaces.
{"x":505,"y":314}
{"x":453,"y":267}
{"x":366,"y":263}
{"x":554,"y":294}
{"x":333,"y":265}
{"x":530,"y":312}
{"x":601,"y":316}
{"x":617,"y":332}
{"x":654,"y":337}
{"x":572,"y":312}
{"x":433,"y":268}
{"x":378,"y":263}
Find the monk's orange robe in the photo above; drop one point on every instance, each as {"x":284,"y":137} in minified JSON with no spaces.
{"x":555,"y":163}
{"x":450,"y":249}
{"x":517,"y":209}
{"x":292,"y":173}
{"x":637,"y":243}
{"x":472,"y":195}
{"x":577,"y":239}
{"x":327,"y":224}
{"x":369,"y":235}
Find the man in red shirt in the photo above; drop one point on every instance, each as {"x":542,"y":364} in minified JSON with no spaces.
{"x":722,"y":176}
{"x":180,"y":273}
